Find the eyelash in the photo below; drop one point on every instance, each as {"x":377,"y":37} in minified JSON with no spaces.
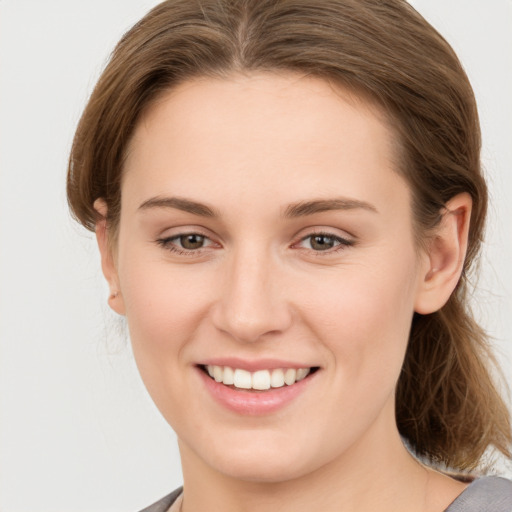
{"x":167,"y":243}
{"x":342,"y":243}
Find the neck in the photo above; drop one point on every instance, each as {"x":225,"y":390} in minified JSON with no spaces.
{"x":377,"y":473}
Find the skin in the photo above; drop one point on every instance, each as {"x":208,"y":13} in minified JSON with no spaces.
{"x":248,"y":147}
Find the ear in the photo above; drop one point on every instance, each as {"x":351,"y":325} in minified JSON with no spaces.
{"x":108,"y":266}
{"x":445,"y":255}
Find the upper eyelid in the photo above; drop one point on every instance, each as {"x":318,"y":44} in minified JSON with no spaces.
{"x":164,"y":239}
{"x":310,"y":232}
{"x":326,"y":231}
{"x":344,"y":241}
{"x":170,"y":233}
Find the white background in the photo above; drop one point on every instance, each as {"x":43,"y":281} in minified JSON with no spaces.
{"x":77,"y":430}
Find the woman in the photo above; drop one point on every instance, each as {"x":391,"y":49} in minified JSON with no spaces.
{"x":288,"y":201}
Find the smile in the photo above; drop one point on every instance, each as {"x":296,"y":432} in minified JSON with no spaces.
{"x":253,"y":389}
{"x":260,"y":380}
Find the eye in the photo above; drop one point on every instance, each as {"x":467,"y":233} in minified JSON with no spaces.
{"x":185,"y":243}
{"x":191,"y":241}
{"x":323,"y":242}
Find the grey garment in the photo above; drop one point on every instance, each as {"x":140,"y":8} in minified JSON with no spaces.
{"x":486,"y":494}
{"x":164,"y":504}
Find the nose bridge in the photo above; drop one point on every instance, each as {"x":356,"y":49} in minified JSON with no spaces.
{"x":251,"y":302}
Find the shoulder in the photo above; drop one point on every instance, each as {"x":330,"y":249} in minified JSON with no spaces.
{"x":486,"y":494}
{"x":163,"y":504}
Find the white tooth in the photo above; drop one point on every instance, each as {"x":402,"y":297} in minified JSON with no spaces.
{"x":302,"y":372}
{"x":261,"y":379}
{"x":290,"y":376}
{"x":242,"y":379}
{"x":210,"y":370}
{"x":218,"y":373}
{"x":228,"y":376}
{"x":277,"y":378}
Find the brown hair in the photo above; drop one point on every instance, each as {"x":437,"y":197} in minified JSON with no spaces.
{"x":447,"y":407}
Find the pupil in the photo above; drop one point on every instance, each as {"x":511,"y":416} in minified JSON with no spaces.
{"x":322,"y":242}
{"x":191,"y":241}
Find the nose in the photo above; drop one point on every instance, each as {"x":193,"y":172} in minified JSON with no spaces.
{"x":251,"y":302}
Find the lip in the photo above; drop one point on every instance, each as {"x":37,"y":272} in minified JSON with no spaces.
{"x":255,"y":403}
{"x":254,"y":366}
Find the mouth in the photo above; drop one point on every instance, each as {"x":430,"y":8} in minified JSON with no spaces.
{"x":257,"y":381}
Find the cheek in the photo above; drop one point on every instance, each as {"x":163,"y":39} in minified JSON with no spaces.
{"x":364,"y":315}
{"x":165,"y":307}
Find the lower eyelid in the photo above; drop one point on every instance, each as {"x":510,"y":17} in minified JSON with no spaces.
{"x":171,"y":243}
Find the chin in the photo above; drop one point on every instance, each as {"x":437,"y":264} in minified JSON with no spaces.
{"x":274,"y":468}
{"x":259,"y":459}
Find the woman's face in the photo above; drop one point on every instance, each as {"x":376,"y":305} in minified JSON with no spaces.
{"x":264,"y":230}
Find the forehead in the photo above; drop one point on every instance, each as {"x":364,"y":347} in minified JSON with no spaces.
{"x":248,"y":134}
{"x":277,"y":101}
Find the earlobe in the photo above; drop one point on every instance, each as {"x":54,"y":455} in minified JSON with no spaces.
{"x":445,"y":256}
{"x":108,"y":266}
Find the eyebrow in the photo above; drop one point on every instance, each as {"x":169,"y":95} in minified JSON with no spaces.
{"x":294,"y":210}
{"x":303,"y":208}
{"x":179,"y":203}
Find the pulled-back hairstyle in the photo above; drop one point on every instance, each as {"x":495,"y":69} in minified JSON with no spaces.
{"x":447,"y":407}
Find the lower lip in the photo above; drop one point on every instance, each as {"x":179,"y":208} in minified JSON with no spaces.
{"x":254,"y":403}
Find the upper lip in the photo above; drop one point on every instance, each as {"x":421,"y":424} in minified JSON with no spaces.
{"x":253,"y":365}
